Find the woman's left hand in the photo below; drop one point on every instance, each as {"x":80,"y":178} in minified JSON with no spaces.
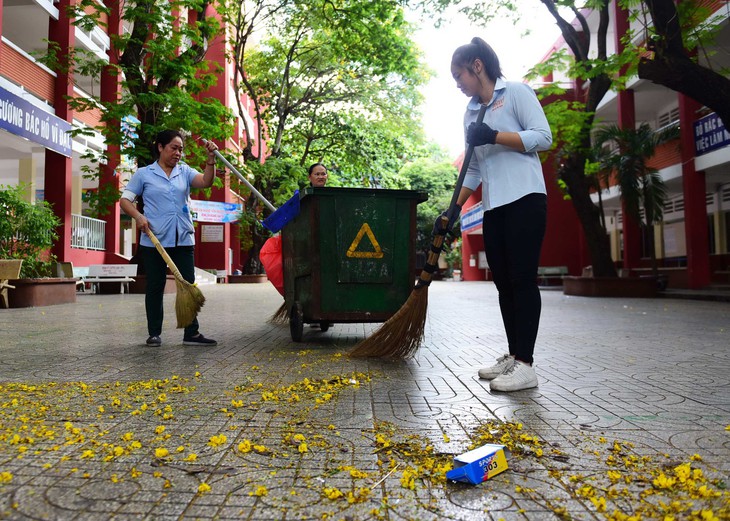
{"x":481,"y":134}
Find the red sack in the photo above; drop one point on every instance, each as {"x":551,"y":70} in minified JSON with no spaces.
{"x":270,"y":257}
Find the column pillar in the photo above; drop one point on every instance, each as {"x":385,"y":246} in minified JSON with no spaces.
{"x":26,"y":176}
{"x":627,"y":120}
{"x":77,"y":182}
{"x":58,"y":173}
{"x":695,"y":206}
{"x":108,"y":176}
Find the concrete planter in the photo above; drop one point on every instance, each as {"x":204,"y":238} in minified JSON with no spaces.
{"x":41,"y":292}
{"x":139,"y":286}
{"x":247,"y":279}
{"x":631,"y":287}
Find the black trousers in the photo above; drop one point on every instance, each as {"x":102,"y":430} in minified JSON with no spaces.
{"x":156,"y":271}
{"x":513,"y":236}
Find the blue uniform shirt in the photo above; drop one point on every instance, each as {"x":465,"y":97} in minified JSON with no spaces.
{"x":506,"y":174}
{"x":166,"y":203}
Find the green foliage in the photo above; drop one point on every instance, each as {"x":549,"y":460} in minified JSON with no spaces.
{"x":162,"y":70}
{"x":438,"y":180}
{"x":624,"y":152}
{"x":27,"y":232}
{"x":453,"y":255}
{"x":335,"y":83}
{"x":278,"y":177}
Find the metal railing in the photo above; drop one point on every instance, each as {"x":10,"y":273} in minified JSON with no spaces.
{"x":87,"y":233}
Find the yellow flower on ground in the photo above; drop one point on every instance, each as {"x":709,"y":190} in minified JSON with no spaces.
{"x":261,"y":491}
{"x":203,"y":488}
{"x":161,"y":452}
{"x":599,"y":503}
{"x":303,"y":448}
{"x":159,"y":429}
{"x":218,"y":440}
{"x":6,"y":477}
{"x":408,"y":479}
{"x":244,"y":446}
{"x":662,"y":481}
{"x":332,"y":493}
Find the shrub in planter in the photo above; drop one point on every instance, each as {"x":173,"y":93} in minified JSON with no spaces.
{"x":27,"y":232}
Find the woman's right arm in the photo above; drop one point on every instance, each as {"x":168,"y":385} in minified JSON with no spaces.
{"x":131,"y":209}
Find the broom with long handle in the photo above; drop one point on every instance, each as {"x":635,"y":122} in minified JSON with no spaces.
{"x":274,"y":223}
{"x":189,"y":298}
{"x":401,"y":335}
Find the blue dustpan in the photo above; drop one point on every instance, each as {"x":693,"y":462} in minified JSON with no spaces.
{"x":286,"y":212}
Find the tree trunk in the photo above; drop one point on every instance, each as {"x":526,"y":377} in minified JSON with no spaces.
{"x":681,"y":74}
{"x":672,"y":67}
{"x":579,"y":188}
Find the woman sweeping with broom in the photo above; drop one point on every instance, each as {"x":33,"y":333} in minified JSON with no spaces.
{"x":505,"y":162}
{"x":165,"y":188}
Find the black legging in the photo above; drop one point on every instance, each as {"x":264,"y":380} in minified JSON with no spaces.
{"x":513,"y":236}
{"x":156,"y":271}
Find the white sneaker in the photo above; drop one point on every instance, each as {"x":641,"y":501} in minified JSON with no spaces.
{"x":519,"y":376}
{"x":504,"y":362}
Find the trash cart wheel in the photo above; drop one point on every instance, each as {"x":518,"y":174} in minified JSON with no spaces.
{"x":324,"y":326}
{"x":296,"y":322}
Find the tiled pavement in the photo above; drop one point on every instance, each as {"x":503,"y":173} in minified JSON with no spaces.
{"x":95,"y":425}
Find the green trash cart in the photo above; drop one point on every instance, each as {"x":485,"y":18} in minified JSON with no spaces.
{"x":349,"y":256}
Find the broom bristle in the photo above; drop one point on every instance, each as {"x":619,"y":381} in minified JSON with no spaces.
{"x":401,"y":335}
{"x":188,"y":302}
{"x":280,"y":316}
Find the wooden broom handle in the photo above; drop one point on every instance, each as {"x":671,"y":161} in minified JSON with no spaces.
{"x":165,"y":255}
{"x":438,"y":240}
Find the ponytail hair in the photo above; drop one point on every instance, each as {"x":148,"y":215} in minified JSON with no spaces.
{"x":465,"y":56}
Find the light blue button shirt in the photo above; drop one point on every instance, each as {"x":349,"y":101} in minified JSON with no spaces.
{"x":166,"y":203}
{"x":506,"y":174}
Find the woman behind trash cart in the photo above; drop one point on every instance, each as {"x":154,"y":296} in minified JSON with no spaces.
{"x":318,"y":175}
{"x":505,"y":162}
{"x":271,"y":253}
{"x":165,"y":188}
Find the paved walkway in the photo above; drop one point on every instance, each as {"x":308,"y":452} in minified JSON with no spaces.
{"x":632,"y":413}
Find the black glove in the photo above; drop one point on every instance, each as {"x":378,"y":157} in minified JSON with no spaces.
{"x":438,"y":227}
{"x":482,"y":134}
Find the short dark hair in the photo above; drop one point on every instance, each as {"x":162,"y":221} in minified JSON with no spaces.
{"x":163,"y":138}
{"x":465,"y":56}
{"x":311,"y":167}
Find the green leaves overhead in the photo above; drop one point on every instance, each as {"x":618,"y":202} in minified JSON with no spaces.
{"x":325,"y":69}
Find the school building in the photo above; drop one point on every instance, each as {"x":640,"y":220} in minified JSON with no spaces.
{"x":37,"y":151}
{"x":692,"y":241}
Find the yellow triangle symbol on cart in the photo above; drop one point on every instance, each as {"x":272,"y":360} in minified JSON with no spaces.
{"x":365,"y":230}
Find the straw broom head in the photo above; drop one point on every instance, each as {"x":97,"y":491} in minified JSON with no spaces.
{"x":280,"y":316}
{"x":401,"y":335}
{"x":188,"y":301}
{"x":189,"y":298}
